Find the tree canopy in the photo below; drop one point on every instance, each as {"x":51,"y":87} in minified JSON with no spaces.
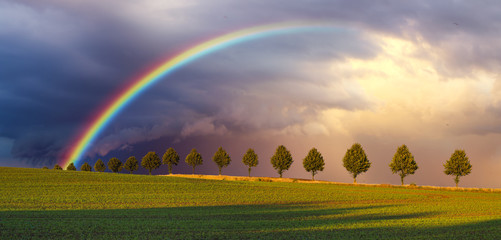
{"x":99,"y":166}
{"x":71,"y":167}
{"x":403,"y":163}
{"x":281,"y":160}
{"x":115,"y":165}
{"x":313,"y":162}
{"x":221,"y":158}
{"x":131,"y":164}
{"x":194,"y":159}
{"x":250,"y":159}
{"x":458,"y":165}
{"x":86,"y":167}
{"x":171,"y":158}
{"x":57,"y":167}
{"x":151,"y":161}
{"x":355,"y":161}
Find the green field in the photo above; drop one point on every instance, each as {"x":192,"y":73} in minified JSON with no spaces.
{"x":52,"y":204}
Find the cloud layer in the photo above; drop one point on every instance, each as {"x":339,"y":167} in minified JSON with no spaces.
{"x":423,"y":73}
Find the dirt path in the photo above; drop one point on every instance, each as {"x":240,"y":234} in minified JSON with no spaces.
{"x":299,"y":180}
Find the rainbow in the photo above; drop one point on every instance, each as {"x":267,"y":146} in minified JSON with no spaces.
{"x":123,"y":98}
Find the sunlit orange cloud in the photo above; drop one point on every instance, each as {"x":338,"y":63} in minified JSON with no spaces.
{"x":410,"y":97}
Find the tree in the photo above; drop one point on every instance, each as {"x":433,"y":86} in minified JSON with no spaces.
{"x":115,"y":165}
{"x":403,"y":163}
{"x":250,"y":159}
{"x":282,"y":160}
{"x":221,"y":158}
{"x":44,"y":167}
{"x":99,"y":166}
{"x":314,"y":162}
{"x":86,"y":167}
{"x":171,"y":158}
{"x":57,"y":167}
{"x":151,"y":161}
{"x":355,"y":161}
{"x":131,"y":164}
{"x":458,"y":165}
{"x":194,"y":159}
{"x":71,"y":167}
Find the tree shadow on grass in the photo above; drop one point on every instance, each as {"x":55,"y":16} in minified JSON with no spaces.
{"x":280,"y":221}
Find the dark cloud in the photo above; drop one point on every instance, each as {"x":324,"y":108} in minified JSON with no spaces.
{"x":38,"y":148}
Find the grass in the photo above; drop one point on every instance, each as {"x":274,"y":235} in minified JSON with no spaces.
{"x":48,"y":204}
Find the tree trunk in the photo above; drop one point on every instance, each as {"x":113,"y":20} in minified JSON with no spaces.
{"x":170,"y":169}
{"x":312,"y":176}
{"x":150,"y":171}
{"x":219,"y":171}
{"x":402,"y":180}
{"x":249,"y":171}
{"x":193,"y":170}
{"x":354,"y":180}
{"x":456,"y":180}
{"x":280,"y":174}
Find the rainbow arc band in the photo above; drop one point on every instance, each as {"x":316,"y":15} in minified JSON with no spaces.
{"x":109,"y":112}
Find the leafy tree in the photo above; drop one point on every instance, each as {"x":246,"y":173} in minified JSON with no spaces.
{"x":131,"y":164}
{"x":458,"y":165}
{"x":99,"y":166}
{"x":151,"y":161}
{"x":355,"y":161}
{"x":71,"y":167}
{"x":221,"y":158}
{"x":282,"y":160}
{"x":57,"y":167}
{"x":314,"y":162}
{"x":44,"y":167}
{"x":171,"y":158}
{"x":194,"y":159}
{"x":250,"y":159}
{"x":86,"y":167}
{"x":403,"y":163}
{"x":115,"y":165}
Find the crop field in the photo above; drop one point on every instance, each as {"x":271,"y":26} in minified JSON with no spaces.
{"x":50,"y":204}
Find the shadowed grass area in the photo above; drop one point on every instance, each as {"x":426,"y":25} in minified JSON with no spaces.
{"x":242,"y":222}
{"x":48,"y":204}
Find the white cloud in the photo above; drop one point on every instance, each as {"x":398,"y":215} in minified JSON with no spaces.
{"x":413,"y":98}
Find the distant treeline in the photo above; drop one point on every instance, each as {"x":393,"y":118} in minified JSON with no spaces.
{"x":355,"y":161}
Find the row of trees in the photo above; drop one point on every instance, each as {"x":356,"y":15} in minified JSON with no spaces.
{"x":355,"y":161}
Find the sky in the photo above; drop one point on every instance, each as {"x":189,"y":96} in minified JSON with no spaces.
{"x":421,"y":73}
